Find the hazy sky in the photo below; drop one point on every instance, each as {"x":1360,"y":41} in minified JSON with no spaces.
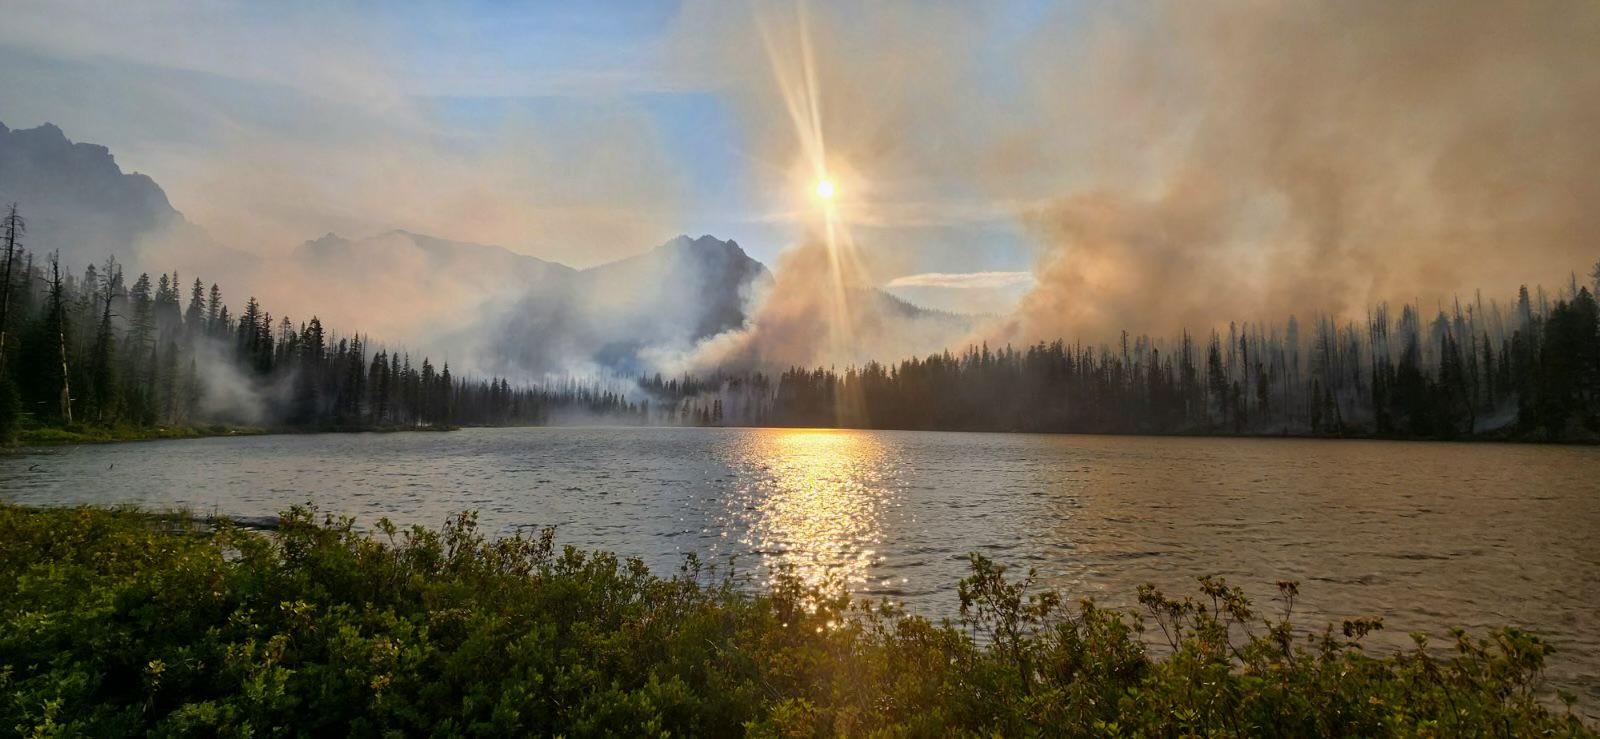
{"x":1152,"y":164}
{"x":564,"y":130}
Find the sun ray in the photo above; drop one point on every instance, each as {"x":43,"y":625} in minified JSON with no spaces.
{"x":794,"y":63}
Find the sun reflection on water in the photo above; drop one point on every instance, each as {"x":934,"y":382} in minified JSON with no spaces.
{"x":814,"y":501}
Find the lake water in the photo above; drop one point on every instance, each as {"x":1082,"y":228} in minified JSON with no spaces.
{"x":1427,"y":535}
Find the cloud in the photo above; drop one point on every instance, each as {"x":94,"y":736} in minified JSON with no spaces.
{"x":272,"y":127}
{"x":269,"y":127}
{"x":1250,"y":161}
{"x":1175,"y":164}
{"x":966,"y":281}
{"x":1162,"y":164}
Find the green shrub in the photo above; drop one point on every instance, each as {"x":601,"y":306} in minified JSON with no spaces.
{"x":116,"y":622}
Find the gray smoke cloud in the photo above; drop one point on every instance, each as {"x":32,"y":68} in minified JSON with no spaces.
{"x":1252,"y":160}
{"x":1170,"y":164}
{"x":861,"y":95}
{"x":1180,"y":164}
{"x":267,"y":130}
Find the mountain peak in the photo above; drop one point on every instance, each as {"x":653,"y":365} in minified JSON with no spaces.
{"x":328,"y":240}
{"x":75,"y":196}
{"x":705,"y":244}
{"x":46,"y":131}
{"x":616,"y":314}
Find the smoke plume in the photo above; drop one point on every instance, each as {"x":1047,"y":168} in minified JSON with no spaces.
{"x":1162,"y":165}
{"x":1178,"y":165}
{"x":856,"y":97}
{"x":1258,"y":159}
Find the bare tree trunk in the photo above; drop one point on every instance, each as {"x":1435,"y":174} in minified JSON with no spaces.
{"x":59,"y":310}
{"x":66,"y":383}
{"x":102,"y":343}
{"x":14,"y":226}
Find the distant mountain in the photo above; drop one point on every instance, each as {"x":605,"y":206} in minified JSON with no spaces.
{"x":492,"y":310}
{"x":898,"y":307}
{"x":488,"y":308}
{"x":423,"y":262}
{"x":76,"y":199}
{"x":714,"y":275}
{"x":613,"y":316}
{"x":413,"y":288}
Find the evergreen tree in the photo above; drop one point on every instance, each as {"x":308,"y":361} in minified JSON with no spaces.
{"x":194,"y":317}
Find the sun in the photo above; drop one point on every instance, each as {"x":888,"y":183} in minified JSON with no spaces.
{"x":825,"y":189}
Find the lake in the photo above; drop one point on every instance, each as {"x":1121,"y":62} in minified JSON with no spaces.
{"x":1427,"y":535}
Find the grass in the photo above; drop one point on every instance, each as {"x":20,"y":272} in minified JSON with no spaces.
{"x":93,"y":434}
{"x":116,"y":622}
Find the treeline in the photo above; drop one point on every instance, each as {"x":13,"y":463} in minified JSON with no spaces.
{"x":1530,"y":371}
{"x":95,"y":350}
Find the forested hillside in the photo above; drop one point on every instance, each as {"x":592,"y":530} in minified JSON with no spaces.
{"x":95,"y":350}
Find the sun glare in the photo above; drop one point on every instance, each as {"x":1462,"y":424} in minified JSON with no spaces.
{"x":825,"y":189}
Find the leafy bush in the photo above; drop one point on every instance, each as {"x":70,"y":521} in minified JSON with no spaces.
{"x":117,"y":622}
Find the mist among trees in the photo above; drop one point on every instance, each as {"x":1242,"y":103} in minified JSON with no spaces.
{"x":1528,"y":370}
{"x":98,"y":348}
{"x":102,"y":348}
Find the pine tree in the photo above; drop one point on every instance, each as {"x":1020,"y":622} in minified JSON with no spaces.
{"x":194,"y":317}
{"x":216,"y":312}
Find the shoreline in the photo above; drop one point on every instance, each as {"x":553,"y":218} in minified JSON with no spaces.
{"x":52,"y":436}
